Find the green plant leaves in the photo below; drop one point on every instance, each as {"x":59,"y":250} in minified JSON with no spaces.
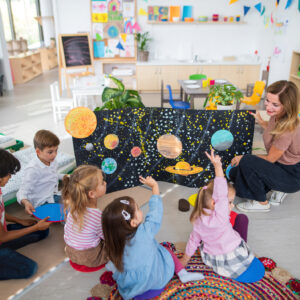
{"x":116,"y":98}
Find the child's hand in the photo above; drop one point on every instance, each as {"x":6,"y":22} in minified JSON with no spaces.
{"x":27,"y":222}
{"x":150,"y":182}
{"x":236,"y":160}
{"x":43,"y":224}
{"x":215,"y":159}
{"x":28,"y":206}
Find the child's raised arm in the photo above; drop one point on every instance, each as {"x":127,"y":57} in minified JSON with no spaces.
{"x":216,"y":161}
{"x":151,"y":183}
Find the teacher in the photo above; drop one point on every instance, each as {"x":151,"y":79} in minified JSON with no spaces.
{"x":279,"y":169}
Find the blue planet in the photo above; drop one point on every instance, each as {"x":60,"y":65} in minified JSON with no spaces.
{"x":222,"y":140}
{"x":109,"y":165}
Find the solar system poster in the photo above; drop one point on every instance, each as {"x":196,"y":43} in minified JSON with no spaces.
{"x":168,"y":144}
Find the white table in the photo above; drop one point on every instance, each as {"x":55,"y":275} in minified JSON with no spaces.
{"x":87,"y":94}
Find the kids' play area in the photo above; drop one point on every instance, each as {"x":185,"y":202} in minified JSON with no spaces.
{"x":149,"y":149}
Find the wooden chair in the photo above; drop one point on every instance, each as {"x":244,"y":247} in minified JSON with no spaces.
{"x":60,"y":105}
{"x":177,"y":103}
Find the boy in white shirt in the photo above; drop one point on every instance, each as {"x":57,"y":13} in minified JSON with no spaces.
{"x":40,"y":183}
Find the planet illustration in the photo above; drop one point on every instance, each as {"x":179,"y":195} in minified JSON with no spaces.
{"x":89,"y":146}
{"x":222,"y":140}
{"x":136,"y":151}
{"x":169,"y":146}
{"x":80,"y":122}
{"x":183,"y":168}
{"x":109,"y":165}
{"x":111,"y":141}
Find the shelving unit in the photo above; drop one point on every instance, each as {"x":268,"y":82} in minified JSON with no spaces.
{"x":26,"y":66}
{"x":48,"y":58}
{"x":196,"y":23}
{"x":295,"y":63}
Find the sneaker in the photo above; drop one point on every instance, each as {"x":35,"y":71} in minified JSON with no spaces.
{"x":277,"y":197}
{"x":253,"y":206}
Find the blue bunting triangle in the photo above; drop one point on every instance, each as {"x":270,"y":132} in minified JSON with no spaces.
{"x":258,"y":7}
{"x":246,"y":9}
{"x":263,"y":11}
{"x":120,"y":46}
{"x":288,"y":4}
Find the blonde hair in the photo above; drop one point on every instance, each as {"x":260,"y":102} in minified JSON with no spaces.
{"x":75,"y":190}
{"x":203,"y":200}
{"x":288,"y":95}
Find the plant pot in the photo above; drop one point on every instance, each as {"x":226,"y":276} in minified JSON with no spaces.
{"x":143,"y":55}
{"x":225,"y":107}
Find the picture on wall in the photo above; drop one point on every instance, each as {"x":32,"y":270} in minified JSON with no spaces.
{"x":168,"y":144}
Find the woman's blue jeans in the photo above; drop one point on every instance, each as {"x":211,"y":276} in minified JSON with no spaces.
{"x":14,"y":265}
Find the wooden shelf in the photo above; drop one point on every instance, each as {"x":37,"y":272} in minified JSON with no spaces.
{"x":120,"y":60}
{"x":295,"y":77}
{"x":295,"y":63}
{"x":48,"y":58}
{"x":196,"y":23}
{"x":25,"y":67}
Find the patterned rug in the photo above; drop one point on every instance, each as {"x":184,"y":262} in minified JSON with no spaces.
{"x":218,"y":287}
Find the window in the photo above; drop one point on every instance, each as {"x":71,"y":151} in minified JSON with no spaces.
{"x":19,"y":22}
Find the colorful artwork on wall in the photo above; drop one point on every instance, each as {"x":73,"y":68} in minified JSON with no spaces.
{"x":158,"y":13}
{"x":112,"y":30}
{"x":114,"y":10}
{"x":168,"y":144}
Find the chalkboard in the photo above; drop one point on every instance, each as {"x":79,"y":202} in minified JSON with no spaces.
{"x":76,"y":50}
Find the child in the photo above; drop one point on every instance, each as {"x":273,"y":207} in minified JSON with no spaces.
{"x":40,"y":183}
{"x":14,"y":265}
{"x":222,"y":248}
{"x":83,"y":229}
{"x":138,"y":262}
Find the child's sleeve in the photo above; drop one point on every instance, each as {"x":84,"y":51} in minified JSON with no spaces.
{"x":154,"y":216}
{"x":193,"y":243}
{"x":27,"y":184}
{"x":220,"y":196}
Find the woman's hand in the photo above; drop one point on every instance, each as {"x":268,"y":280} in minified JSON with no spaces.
{"x":27,"y":222}
{"x":236,"y":160}
{"x":259,"y":119}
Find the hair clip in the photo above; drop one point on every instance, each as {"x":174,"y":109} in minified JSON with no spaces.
{"x":124,"y":202}
{"x":126,"y":215}
{"x":205,"y":187}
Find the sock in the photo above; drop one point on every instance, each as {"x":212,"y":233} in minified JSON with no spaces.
{"x":186,"y":276}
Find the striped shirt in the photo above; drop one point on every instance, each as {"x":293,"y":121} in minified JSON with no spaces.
{"x":90,"y":234}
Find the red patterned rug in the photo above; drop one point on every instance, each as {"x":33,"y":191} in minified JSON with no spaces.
{"x":218,"y":287}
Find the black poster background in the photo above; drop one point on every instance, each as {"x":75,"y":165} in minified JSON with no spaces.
{"x":143,"y":127}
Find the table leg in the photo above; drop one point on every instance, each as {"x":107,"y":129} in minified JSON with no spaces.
{"x":181,"y":92}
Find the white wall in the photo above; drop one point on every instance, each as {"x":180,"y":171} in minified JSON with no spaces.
{"x":48,"y":23}
{"x":5,"y":66}
{"x":208,"y":41}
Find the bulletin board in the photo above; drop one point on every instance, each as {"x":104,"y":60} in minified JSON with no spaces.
{"x":114,"y":23}
{"x":168,"y":144}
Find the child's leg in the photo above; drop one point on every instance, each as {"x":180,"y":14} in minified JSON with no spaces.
{"x":24,"y":240}
{"x":241,"y":226}
{"x":181,"y":272}
{"x":14,"y":265}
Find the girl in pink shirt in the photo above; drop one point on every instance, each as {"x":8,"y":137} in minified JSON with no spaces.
{"x":222,"y":248}
{"x":83,"y":229}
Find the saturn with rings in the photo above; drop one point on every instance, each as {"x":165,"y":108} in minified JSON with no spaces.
{"x":183,"y":168}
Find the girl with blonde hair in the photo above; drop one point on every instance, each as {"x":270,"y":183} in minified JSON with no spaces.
{"x":278,"y":170}
{"x":83,"y":229}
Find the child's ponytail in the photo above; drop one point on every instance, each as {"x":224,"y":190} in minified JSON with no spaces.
{"x":202,"y":201}
{"x":116,"y":228}
{"x":76,"y":188}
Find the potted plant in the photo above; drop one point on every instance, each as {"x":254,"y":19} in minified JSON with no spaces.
{"x":119,"y":97}
{"x":142,"y":44}
{"x":223,"y":96}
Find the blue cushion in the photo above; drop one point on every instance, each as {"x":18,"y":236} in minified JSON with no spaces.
{"x":180,"y":105}
{"x":255,"y":272}
{"x":148,"y":295}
